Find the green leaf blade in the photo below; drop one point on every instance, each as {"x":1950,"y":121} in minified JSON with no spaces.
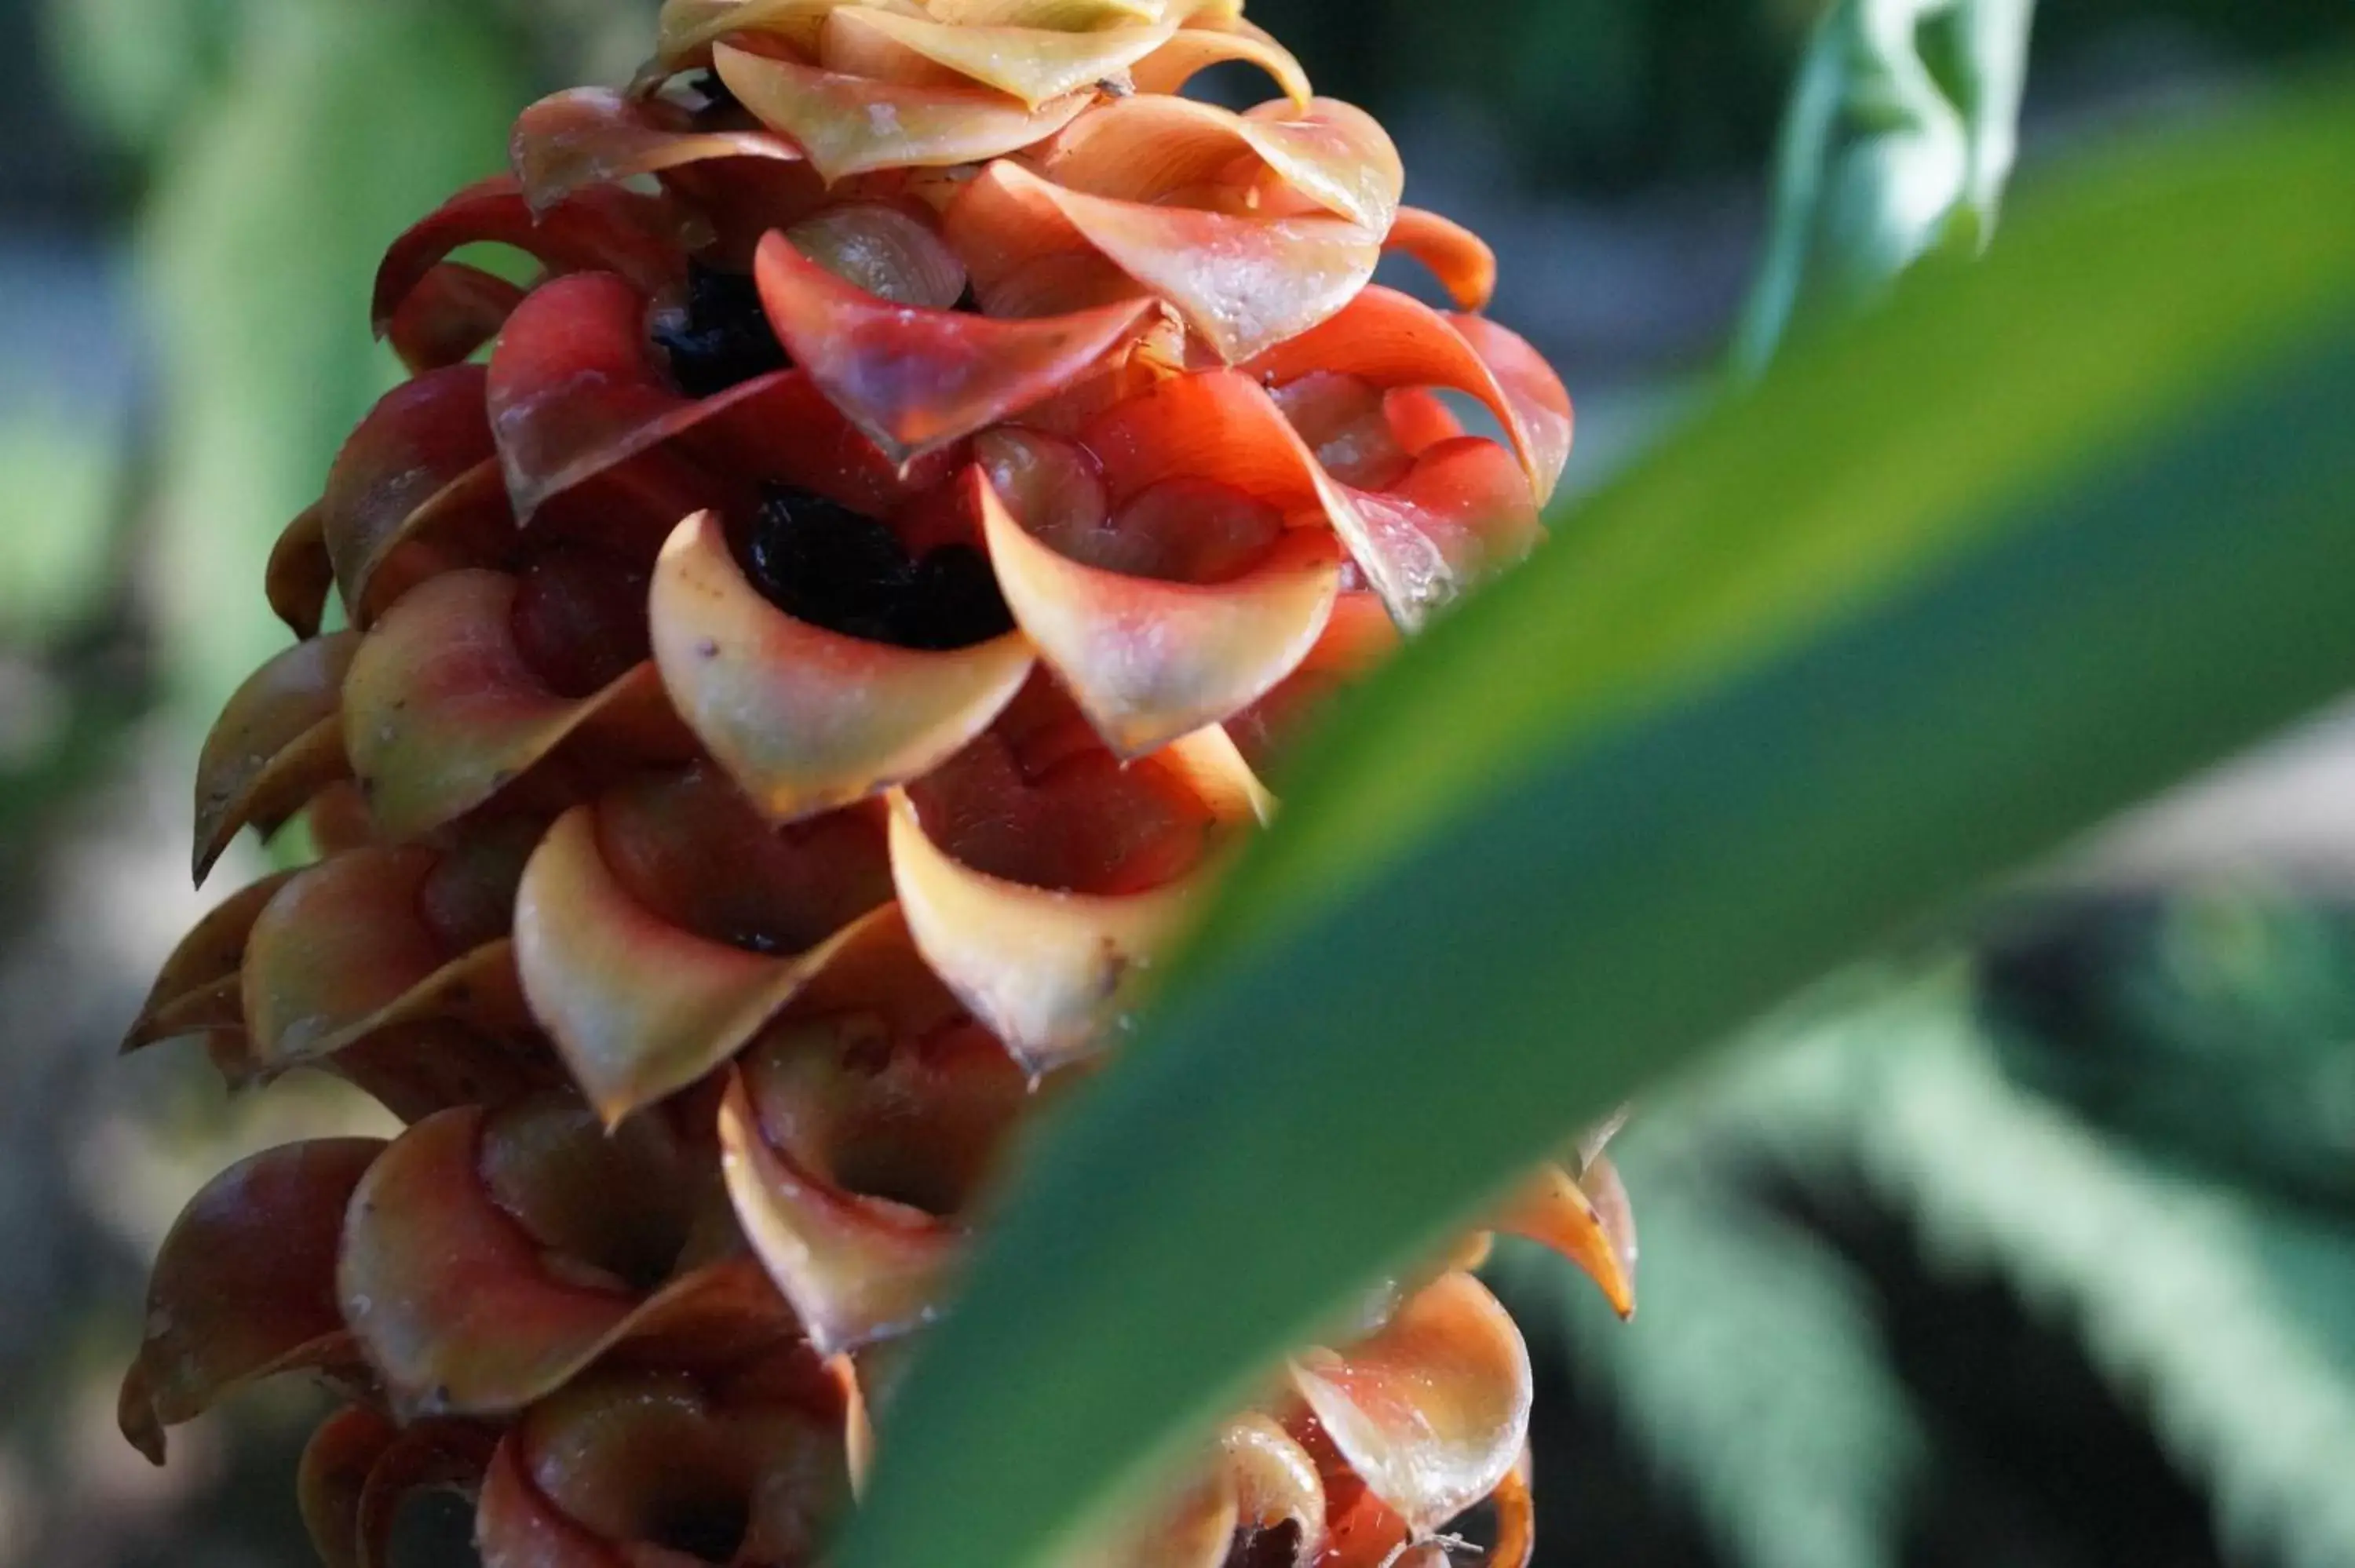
{"x":2036,"y":543}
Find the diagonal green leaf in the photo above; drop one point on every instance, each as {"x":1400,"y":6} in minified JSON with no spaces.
{"x":2039,"y":539}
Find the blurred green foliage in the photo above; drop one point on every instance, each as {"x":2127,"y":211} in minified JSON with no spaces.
{"x":2212,"y":1302}
{"x":335,"y":127}
{"x":137,"y":70}
{"x":1611,"y":96}
{"x":55,"y":532}
{"x":275,"y":148}
{"x":1596,"y":92}
{"x":2219,"y":1029}
{"x":1902,"y":130}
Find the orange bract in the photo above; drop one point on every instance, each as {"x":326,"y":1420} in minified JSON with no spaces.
{"x":809,"y":647}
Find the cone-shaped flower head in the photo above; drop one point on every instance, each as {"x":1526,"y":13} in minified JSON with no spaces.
{"x":803,"y":654}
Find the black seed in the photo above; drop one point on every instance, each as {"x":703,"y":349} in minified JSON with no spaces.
{"x":725,"y":338}
{"x":710,"y":1530}
{"x":954,"y":602}
{"x":819,"y":561}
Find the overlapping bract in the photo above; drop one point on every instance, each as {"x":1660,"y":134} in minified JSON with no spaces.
{"x":807,"y":652}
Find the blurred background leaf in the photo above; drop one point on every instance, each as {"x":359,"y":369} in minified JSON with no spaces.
{"x":55,"y":527}
{"x":1902,"y":130}
{"x":137,"y":68}
{"x":2216,"y":1310}
{"x":2226,"y":1318}
{"x":1754,"y":1376}
{"x":2211,"y":1310}
{"x":336,"y":126}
